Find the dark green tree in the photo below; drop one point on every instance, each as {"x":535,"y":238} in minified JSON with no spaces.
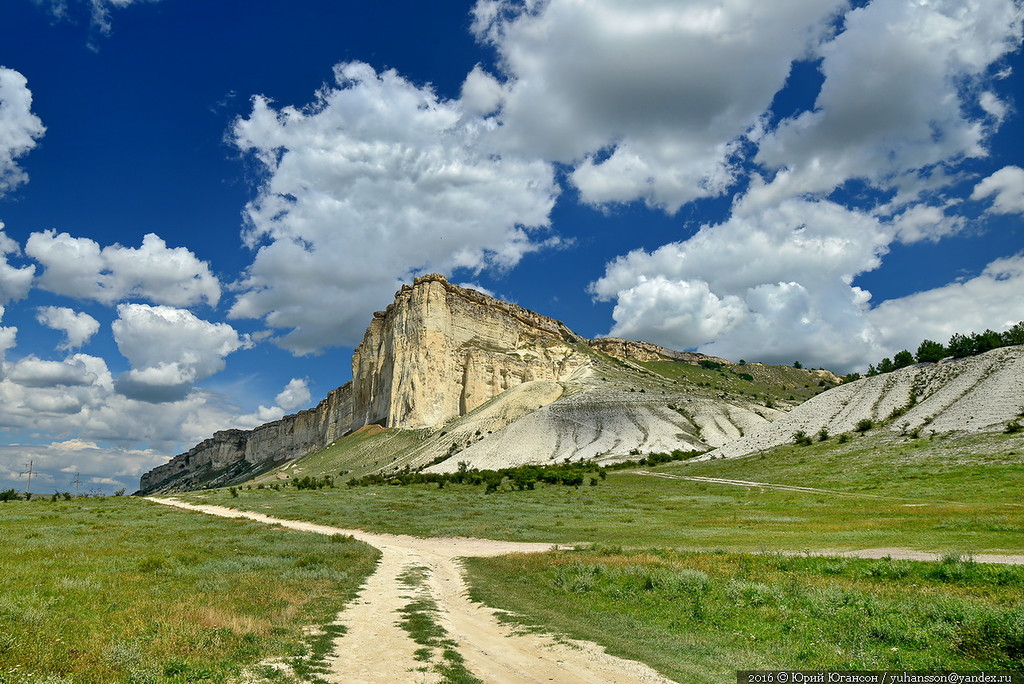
{"x":1015,"y":335}
{"x":986,"y":341}
{"x":930,"y":351}
{"x":903,"y":359}
{"x":960,"y":346}
{"x":886,"y":365}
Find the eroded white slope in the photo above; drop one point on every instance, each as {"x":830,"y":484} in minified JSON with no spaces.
{"x":975,"y":394}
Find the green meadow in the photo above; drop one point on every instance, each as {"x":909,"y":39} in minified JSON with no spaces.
{"x":696,"y":578}
{"x":119,"y":589}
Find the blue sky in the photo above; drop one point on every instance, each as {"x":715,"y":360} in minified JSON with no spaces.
{"x":203,"y":203}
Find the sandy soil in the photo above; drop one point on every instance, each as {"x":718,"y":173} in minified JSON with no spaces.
{"x":375,"y":648}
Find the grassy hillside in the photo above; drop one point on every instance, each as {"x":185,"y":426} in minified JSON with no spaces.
{"x":124,"y":590}
{"x":778,"y":385}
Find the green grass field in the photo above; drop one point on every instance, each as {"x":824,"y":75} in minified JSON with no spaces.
{"x":699,"y":617}
{"x":680,"y":574}
{"x":665,"y":584}
{"x":123,"y":590}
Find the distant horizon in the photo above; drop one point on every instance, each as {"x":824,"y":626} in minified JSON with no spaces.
{"x":201,"y":206}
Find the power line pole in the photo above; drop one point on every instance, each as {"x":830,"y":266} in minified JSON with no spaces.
{"x":28,"y":485}
{"x":78,"y":483}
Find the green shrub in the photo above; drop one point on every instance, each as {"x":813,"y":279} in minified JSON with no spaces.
{"x":1013,"y":426}
{"x":864,"y":424}
{"x":801,"y":438}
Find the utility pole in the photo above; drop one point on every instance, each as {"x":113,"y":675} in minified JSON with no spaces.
{"x":28,"y":485}
{"x":78,"y":483}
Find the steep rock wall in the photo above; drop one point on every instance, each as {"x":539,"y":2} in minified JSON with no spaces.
{"x":231,"y":452}
{"x":440,"y":350}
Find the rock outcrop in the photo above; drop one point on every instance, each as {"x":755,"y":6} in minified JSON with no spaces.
{"x":440,"y":350}
{"x":437,"y":352}
{"x":632,"y":350}
{"x":232,"y":453}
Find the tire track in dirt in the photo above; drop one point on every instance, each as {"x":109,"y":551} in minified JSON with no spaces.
{"x":375,"y":649}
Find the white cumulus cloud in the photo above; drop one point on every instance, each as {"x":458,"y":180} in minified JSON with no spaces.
{"x":8,"y":338}
{"x":1007,"y":184}
{"x":19,"y":127}
{"x":14,"y":282}
{"x":78,"y":327}
{"x":294,"y":395}
{"x":765,"y":285}
{"x":377,"y":180}
{"x":648,"y":99}
{"x":991,"y":299}
{"x":899,"y":82}
{"x":79,"y":267}
{"x":169,"y":349}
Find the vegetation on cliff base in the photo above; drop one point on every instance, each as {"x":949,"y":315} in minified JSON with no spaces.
{"x":574,"y":474}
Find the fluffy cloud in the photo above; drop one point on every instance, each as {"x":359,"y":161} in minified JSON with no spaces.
{"x":56,"y":465}
{"x":8,"y":337}
{"x":19,"y":127}
{"x":35,"y":372}
{"x":77,"y":327}
{"x":649,"y":99}
{"x":377,"y":180}
{"x":169,"y":349}
{"x":75,"y":402}
{"x":901,"y":82}
{"x":14,"y":282}
{"x":764,"y":285}
{"x":294,"y":395}
{"x":989,"y":300}
{"x":78,"y":267}
{"x":1007,"y":184}
{"x":904,"y":100}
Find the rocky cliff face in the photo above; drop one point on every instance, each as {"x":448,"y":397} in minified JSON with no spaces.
{"x":440,"y":350}
{"x":437,"y":352}
{"x":230,"y":454}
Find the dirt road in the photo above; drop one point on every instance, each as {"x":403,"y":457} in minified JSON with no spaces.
{"x":375,"y":648}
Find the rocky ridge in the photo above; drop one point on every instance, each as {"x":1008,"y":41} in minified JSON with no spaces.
{"x":632,"y":350}
{"x":974,"y":394}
